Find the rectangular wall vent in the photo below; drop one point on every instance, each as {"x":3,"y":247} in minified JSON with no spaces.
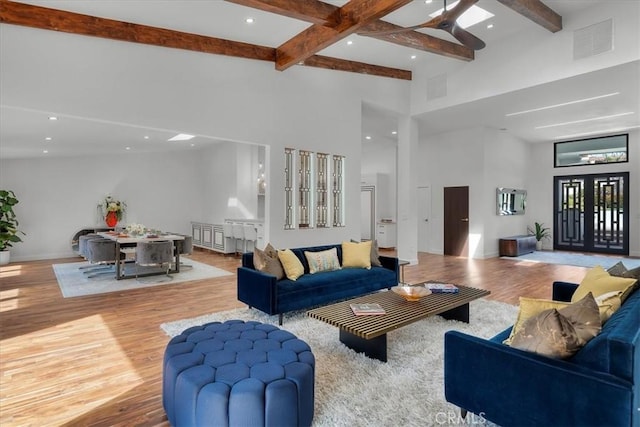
{"x":593,"y":40}
{"x":437,"y":87}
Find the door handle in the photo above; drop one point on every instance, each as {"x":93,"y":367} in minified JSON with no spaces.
{"x":465,"y":220}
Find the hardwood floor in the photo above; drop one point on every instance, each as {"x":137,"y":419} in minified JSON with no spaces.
{"x":97,"y":360}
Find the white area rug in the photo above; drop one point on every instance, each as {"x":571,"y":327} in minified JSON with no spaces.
{"x":577,"y":259}
{"x":74,"y":283}
{"x":353,"y":390}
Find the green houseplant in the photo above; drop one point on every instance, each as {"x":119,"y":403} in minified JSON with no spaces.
{"x":8,"y":224}
{"x":540,"y":232}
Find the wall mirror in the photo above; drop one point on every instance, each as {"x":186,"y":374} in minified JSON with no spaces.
{"x":510,"y":201}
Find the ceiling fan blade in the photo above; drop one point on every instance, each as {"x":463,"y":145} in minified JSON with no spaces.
{"x":445,"y":21}
{"x":466,"y":38}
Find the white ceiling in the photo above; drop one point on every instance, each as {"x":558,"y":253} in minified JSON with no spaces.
{"x":22,"y":131}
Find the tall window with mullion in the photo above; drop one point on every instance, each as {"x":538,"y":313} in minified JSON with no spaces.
{"x":322,"y":185}
{"x":289,"y":185}
{"x":338,"y":191}
{"x":305,"y":189}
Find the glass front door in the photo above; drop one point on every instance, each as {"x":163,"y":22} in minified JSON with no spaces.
{"x":590,"y":213}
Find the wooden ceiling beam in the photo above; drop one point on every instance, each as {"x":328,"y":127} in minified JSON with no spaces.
{"x":536,"y":11}
{"x":350,"y":17}
{"x":314,"y":11}
{"x":356,"y":67}
{"x":318,"y":12}
{"x":69,"y":22}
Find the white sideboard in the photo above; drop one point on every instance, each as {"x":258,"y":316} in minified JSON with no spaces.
{"x":211,"y":236}
{"x":386,"y":234}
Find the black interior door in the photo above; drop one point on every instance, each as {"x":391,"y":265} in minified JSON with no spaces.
{"x":591,"y":213}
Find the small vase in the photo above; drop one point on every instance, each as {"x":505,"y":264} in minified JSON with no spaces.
{"x":538,"y":245}
{"x":111,"y":219}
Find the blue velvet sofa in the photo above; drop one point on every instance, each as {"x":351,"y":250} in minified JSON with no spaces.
{"x":264,"y":292}
{"x":598,"y":386}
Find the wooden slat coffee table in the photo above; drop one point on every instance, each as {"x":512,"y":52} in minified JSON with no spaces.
{"x":368,"y":334}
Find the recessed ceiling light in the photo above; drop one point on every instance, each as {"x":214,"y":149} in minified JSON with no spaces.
{"x":349,"y":42}
{"x":193,"y":145}
{"x":48,"y":138}
{"x":52,"y":118}
{"x":45,"y":151}
{"x":489,"y":26}
{"x":428,"y":1}
{"x":146,"y":137}
{"x":367,"y":137}
{"x":249,"y":20}
{"x":127,"y":148}
{"x":395,"y":132}
{"x":414,"y":56}
{"x":181,"y":137}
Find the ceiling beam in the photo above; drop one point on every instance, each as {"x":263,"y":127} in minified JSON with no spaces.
{"x":356,"y":67}
{"x":27,"y":15}
{"x":314,"y":11}
{"x":350,"y":17}
{"x":318,"y":12}
{"x":69,"y":22}
{"x":536,"y":11}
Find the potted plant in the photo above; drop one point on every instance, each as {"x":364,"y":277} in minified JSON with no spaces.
{"x":541,"y":232}
{"x":8,"y":224}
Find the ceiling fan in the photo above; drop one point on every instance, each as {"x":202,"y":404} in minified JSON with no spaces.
{"x":447,"y":22}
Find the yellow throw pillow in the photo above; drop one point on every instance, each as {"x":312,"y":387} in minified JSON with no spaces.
{"x":530,"y":307}
{"x":356,"y":254}
{"x":598,"y":282}
{"x":293,"y":268}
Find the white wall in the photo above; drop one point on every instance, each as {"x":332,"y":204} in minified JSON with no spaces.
{"x":59,"y":196}
{"x":506,"y":163}
{"x":227,"y":98}
{"x":451,"y":160}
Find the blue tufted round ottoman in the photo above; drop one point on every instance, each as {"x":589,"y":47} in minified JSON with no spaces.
{"x":238,"y":373}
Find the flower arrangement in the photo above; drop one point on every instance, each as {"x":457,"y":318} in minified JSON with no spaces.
{"x":112,"y":205}
{"x":136,"y":229}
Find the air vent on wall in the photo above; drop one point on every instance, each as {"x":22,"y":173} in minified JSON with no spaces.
{"x":593,"y":40}
{"x":437,"y":86}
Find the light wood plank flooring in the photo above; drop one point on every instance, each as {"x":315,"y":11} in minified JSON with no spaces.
{"x":97,"y":360}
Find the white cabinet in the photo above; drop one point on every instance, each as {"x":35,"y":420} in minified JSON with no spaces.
{"x":386,"y":235}
{"x":211,"y":236}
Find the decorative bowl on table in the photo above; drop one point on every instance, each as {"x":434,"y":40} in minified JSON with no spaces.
{"x":410,"y":292}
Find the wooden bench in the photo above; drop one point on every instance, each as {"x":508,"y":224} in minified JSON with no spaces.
{"x":517,"y":245}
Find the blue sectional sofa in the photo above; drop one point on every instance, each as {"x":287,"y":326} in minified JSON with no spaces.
{"x":598,"y":386}
{"x":264,"y":292}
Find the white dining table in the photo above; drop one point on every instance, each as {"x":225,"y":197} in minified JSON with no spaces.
{"x":123,"y":239}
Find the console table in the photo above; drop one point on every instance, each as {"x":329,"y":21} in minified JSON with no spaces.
{"x":517,"y":245}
